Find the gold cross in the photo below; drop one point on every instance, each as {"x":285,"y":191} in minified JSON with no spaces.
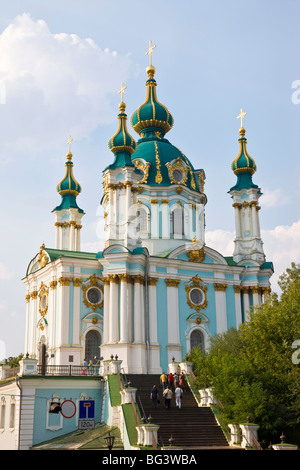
{"x":241,"y":116}
{"x":149,"y":51}
{"x":123,"y":88}
{"x":69,"y":143}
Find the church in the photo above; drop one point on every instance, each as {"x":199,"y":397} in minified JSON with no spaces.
{"x":156,"y":290}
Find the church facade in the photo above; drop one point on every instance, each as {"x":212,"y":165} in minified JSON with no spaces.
{"x":156,"y":289}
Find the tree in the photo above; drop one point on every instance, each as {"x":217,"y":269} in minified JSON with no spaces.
{"x":252,"y":369}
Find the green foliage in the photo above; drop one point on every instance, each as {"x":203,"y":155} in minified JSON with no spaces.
{"x":251,"y":369}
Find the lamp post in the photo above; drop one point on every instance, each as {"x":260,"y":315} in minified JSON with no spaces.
{"x":109,"y":441}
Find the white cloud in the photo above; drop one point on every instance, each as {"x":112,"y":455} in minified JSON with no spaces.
{"x":273,"y":198}
{"x":54,"y":84}
{"x":281,"y":246}
{"x":5,"y":274}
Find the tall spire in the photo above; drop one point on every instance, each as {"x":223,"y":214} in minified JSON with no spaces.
{"x":245,"y":194}
{"x":151,"y":116}
{"x":243,"y":166}
{"x":68,"y":214}
{"x":122,"y":144}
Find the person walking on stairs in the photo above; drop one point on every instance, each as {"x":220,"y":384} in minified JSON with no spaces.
{"x":178,"y":395}
{"x":168,"y":396}
{"x":154,"y":396}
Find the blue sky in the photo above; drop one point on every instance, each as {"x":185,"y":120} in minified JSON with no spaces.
{"x":62,"y":64}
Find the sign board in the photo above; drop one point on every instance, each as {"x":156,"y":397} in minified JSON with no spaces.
{"x":86,"y":424}
{"x":68,"y":409}
{"x":86,"y":409}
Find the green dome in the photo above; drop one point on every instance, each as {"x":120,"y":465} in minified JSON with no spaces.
{"x":122,"y":140}
{"x":152,"y":114}
{"x":68,"y":188}
{"x":243,"y":163}
{"x":160,"y":162}
{"x":243,"y":166}
{"x":68,"y":184}
{"x":163,"y":164}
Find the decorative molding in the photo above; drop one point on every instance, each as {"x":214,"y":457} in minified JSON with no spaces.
{"x":53,"y":285}
{"x":43,"y":295}
{"x":93,"y":282}
{"x":152,"y":281}
{"x":137,"y":278}
{"x":27,"y":298}
{"x":220,"y":287}
{"x":77,"y":281}
{"x":172,"y":282}
{"x":64,"y":281}
{"x":196,"y":283}
{"x":196,"y":256}
{"x":34,"y":294}
{"x":237,"y":289}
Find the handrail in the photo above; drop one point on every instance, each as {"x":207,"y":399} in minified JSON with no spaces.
{"x":68,"y":369}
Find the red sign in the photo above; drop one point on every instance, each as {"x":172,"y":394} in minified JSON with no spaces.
{"x":68,"y":409}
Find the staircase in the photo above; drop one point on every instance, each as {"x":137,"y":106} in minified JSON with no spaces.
{"x":191,"y":426}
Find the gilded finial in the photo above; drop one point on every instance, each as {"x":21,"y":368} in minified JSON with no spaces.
{"x":149,"y":51}
{"x":122,"y":104}
{"x":150,"y":68}
{"x":241,"y":117}
{"x":69,"y":154}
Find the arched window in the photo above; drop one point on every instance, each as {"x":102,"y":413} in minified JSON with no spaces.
{"x":197,"y":340}
{"x":142,"y":225}
{"x":177,"y":221}
{"x":92,"y":346}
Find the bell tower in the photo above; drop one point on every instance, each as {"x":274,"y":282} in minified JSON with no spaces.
{"x":245,"y":194}
{"x":68,"y":215}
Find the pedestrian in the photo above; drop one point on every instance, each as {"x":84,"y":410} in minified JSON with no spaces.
{"x":178,"y":396}
{"x":163,"y":380}
{"x":168,"y":396}
{"x":183,"y":382}
{"x":171,"y":381}
{"x":154,"y":396}
{"x":85,"y":365}
{"x":176,"y":380}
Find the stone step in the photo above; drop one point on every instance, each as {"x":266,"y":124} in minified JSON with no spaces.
{"x":190,"y":426}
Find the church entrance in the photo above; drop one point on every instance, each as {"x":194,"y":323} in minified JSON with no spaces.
{"x":197,"y":340}
{"x":92,"y":346}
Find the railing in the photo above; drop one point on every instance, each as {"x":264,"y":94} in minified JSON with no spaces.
{"x":69,"y":370}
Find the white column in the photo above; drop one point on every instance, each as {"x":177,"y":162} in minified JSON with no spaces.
{"x":221,"y":310}
{"x":165,"y":219}
{"x":138,"y":310}
{"x":238,"y":306}
{"x":173,"y":311}
{"x":152,"y":310}
{"x":52,"y":311}
{"x":154,"y":219}
{"x":78,"y":243}
{"x":72,"y":224}
{"x":256,"y":296}
{"x":123,"y":309}
{"x":238,"y":231}
{"x":106,"y":311}
{"x":254,"y":220}
{"x":33,"y":310}
{"x":246,"y":303}
{"x":113,"y":309}
{"x":64,"y":311}
{"x":76,"y":311}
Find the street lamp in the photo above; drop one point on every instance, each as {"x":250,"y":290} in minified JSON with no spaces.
{"x":109,"y":441}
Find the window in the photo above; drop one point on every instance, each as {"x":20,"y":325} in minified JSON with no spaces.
{"x":197,"y":340}
{"x":177,"y":221}
{"x":12,"y":414}
{"x":142,"y":225}
{"x":92,"y":346}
